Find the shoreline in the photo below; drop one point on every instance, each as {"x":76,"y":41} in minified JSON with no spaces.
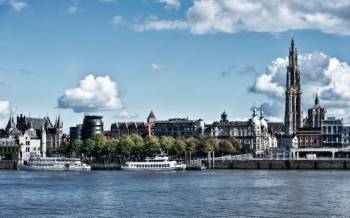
{"x":234,"y":164}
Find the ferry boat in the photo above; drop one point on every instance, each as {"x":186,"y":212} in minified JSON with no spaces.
{"x":159,"y":162}
{"x":54,"y":163}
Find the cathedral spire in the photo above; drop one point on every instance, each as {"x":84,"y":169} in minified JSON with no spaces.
{"x":293,"y":118}
{"x":316,"y":99}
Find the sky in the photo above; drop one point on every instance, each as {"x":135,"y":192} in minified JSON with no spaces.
{"x":191,"y":58}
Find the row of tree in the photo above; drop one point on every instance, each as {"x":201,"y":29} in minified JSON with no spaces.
{"x":137,"y":147}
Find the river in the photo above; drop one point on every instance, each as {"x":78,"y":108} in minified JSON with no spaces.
{"x":175,"y":194}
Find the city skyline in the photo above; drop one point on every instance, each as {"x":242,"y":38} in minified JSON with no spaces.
{"x":101,"y":57}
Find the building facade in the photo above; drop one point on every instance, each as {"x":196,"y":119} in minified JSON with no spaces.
{"x":75,"y":132}
{"x":92,"y":125}
{"x":175,"y":127}
{"x":253,"y":132}
{"x":309,"y":137}
{"x":120,"y":129}
{"x":315,"y":115}
{"x":53,"y":132}
{"x":293,"y":118}
{"x":332,"y":132}
{"x":178,"y":128}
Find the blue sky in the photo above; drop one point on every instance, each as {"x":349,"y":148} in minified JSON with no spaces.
{"x":178,"y":58}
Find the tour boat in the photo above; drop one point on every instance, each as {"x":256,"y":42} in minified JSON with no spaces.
{"x":159,"y":162}
{"x":54,"y":163}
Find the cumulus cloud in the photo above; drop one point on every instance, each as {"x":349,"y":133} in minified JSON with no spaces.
{"x":169,"y":4}
{"x":5,"y":110}
{"x":157,"y":67}
{"x":18,"y":5}
{"x":232,"y":16}
{"x":153,"y":23}
{"x":125,"y":115}
{"x":108,"y":1}
{"x":93,"y":94}
{"x":116,"y":20}
{"x":73,"y":9}
{"x":320,"y":73}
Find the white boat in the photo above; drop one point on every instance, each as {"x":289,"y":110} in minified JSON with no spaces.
{"x":54,"y":163}
{"x":160,"y":162}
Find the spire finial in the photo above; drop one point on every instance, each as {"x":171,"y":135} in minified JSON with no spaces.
{"x":261,"y":112}
{"x":316,"y":99}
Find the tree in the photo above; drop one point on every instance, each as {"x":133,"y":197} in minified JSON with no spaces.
{"x":137,"y":150}
{"x":100,"y":144}
{"x":111,"y":146}
{"x":208,"y":144}
{"x":178,"y":149}
{"x":235,"y":143}
{"x":191,"y":144}
{"x":125,"y":145}
{"x":166,"y":142}
{"x":77,"y":147}
{"x":89,"y":147}
{"x":226,"y":147}
{"x":151,"y":145}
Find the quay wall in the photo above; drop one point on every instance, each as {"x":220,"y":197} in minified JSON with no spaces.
{"x":105,"y":166}
{"x":8,"y":164}
{"x":283,"y":164}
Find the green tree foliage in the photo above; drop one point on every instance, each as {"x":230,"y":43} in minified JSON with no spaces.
{"x":77,"y":147}
{"x":126,"y":144}
{"x":100,"y":145}
{"x":111,"y":146}
{"x":208,"y":144}
{"x":151,"y":145}
{"x":137,"y":149}
{"x":236,"y":144}
{"x":178,"y":149}
{"x":226,"y":147}
{"x":166,"y":142}
{"x":89,"y":147}
{"x":191,"y":144}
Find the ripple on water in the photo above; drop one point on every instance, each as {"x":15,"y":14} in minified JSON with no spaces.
{"x":185,"y":193}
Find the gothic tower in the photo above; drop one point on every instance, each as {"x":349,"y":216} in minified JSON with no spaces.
{"x":293,"y":117}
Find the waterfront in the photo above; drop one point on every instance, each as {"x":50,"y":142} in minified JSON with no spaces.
{"x":181,"y":193}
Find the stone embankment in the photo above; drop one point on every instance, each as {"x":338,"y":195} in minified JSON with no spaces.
{"x":283,"y":164}
{"x":8,"y":164}
{"x":105,"y":166}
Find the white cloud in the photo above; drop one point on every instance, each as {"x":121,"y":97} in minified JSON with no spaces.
{"x":152,"y":23}
{"x":169,"y":4}
{"x":126,"y":115}
{"x":116,"y":20}
{"x":73,"y":9}
{"x":93,"y":94}
{"x":18,"y":5}
{"x":272,"y":16}
{"x":320,"y":73}
{"x":108,"y":1}
{"x":156,"y":67}
{"x":5,"y":110}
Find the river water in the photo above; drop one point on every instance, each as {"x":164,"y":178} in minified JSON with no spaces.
{"x":175,"y":194}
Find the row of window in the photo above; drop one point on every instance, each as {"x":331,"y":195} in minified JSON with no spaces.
{"x":150,"y":165}
{"x":42,"y":165}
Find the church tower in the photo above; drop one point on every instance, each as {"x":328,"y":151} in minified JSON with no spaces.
{"x":293,"y":117}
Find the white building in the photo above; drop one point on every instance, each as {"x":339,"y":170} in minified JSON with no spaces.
{"x":29,"y":143}
{"x":253,"y":132}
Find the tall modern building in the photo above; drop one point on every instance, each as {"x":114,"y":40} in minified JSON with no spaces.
{"x":293,"y":117}
{"x":92,"y":125}
{"x":75,"y":132}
